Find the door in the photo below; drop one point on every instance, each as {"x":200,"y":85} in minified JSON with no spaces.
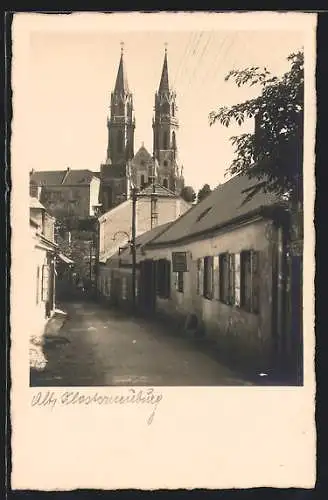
{"x":147,"y":290}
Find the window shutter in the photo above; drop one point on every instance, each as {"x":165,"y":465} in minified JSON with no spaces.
{"x":255,"y":282}
{"x":176,"y":282}
{"x":124,"y":288}
{"x":198,"y":264}
{"x":45,"y":282}
{"x":216,"y":277}
{"x":168,"y":279}
{"x":237,"y":279}
{"x":201,"y":276}
{"x":231,"y":279}
{"x":37,"y":284}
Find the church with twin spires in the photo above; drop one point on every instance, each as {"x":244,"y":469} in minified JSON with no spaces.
{"x":123,"y":168}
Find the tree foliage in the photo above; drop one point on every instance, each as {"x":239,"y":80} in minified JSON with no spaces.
{"x":273,"y":154}
{"x":188,"y":194}
{"x":203,"y":192}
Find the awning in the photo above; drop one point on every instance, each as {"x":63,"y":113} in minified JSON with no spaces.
{"x":65,"y":259}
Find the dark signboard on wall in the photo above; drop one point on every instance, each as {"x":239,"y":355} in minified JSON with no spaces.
{"x":179,"y":262}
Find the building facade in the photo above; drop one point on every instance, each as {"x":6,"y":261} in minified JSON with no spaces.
{"x":220,"y":272}
{"x":115,"y":225}
{"x":43,"y":252}
{"x":67,"y":193}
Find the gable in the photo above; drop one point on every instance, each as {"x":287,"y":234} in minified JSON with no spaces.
{"x":142,"y":155}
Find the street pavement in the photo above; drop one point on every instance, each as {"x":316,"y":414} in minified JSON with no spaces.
{"x":104,"y":347}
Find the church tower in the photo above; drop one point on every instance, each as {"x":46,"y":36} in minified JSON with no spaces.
{"x":121,"y":123}
{"x":165,"y":128}
{"x":114,"y":172}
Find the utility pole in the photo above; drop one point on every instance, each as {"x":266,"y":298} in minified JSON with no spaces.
{"x":133,"y":246}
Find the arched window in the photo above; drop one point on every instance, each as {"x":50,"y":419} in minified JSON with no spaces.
{"x":174,"y":145}
{"x":165,"y":140}
{"x":165,"y":183}
{"x":120,"y":140}
{"x":166,"y":108}
{"x":120,"y":108}
{"x":173,"y":110}
{"x":142,"y":180}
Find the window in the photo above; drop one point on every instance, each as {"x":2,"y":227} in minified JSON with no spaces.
{"x":249,"y":281}
{"x":227,"y":278}
{"x":165,"y":140}
{"x":174,"y":145}
{"x":142,"y":181}
{"x":163,"y":278}
{"x":165,"y":183}
{"x":180,"y":281}
{"x":173,"y":110}
{"x":165,"y":163}
{"x":208,"y":278}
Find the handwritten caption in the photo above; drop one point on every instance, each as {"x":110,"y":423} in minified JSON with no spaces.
{"x":52,"y":399}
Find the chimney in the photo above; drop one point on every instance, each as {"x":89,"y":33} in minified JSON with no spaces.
{"x":65,"y":175}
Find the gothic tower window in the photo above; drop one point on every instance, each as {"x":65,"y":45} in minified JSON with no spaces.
{"x":165,"y":183}
{"x":174,"y":145}
{"x":173,"y":110}
{"x":120,"y":140}
{"x":142,"y":181}
{"x":165,"y":140}
{"x":120,"y":109}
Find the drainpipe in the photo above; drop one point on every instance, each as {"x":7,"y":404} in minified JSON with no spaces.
{"x":281,"y":297}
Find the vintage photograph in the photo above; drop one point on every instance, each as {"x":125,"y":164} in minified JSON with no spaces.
{"x":166,"y":207}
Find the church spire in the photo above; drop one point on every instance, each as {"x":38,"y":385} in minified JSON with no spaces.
{"x":121,"y":85}
{"x":164,"y":83}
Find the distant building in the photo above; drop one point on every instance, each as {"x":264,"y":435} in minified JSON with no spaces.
{"x":115,"y":225}
{"x":121,"y":164}
{"x":67,"y":193}
{"x":72,"y":196}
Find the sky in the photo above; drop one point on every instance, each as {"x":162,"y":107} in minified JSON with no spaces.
{"x":72,"y":73}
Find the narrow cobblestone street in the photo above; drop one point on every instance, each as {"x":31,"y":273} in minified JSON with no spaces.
{"x":102,"y":347}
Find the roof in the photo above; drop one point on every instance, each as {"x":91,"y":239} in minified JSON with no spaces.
{"x":223,"y":206}
{"x":121,"y":85}
{"x":144,"y":238}
{"x":160,"y":191}
{"x":62,"y":177}
{"x":164,"y":83}
{"x":142,"y":153}
{"x":34,"y":203}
